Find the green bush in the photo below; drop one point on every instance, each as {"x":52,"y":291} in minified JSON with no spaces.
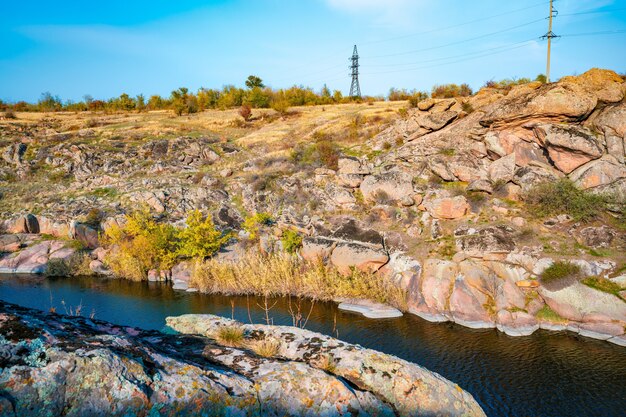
{"x":200,"y":239}
{"x":547,"y":314}
{"x":451,"y":91}
{"x":142,"y":243}
{"x":322,"y":153}
{"x":560,"y":270}
{"x":292,"y":241}
{"x":253,"y":223}
{"x":551,"y":198}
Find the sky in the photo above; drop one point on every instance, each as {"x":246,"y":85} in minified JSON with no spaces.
{"x":72,"y":48}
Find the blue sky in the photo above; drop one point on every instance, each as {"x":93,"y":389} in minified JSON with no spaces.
{"x":72,"y":48}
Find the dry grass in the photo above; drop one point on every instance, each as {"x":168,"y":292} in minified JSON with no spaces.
{"x":267,"y":347}
{"x":230,"y":336}
{"x":280,"y":275}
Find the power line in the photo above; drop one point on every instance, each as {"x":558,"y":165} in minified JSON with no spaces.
{"x":458,"y":42}
{"x":604,"y":32}
{"x":457,"y":25}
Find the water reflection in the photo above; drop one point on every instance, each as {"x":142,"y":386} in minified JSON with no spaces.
{"x":546,"y":374}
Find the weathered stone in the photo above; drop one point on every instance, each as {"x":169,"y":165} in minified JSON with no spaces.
{"x":598,"y":173}
{"x":597,"y":237}
{"x":491,"y":239}
{"x":436,"y":121}
{"x":559,"y":100}
{"x":316,"y":248}
{"x":364,"y":368}
{"x":351,"y":165}
{"x":569,"y":146}
{"x":365,"y":258}
{"x":370,"y":309}
{"x":447,"y":207}
{"x":394,"y":185}
{"x":502,"y":169}
{"x":576,"y":300}
{"x":85,"y":234}
{"x":34,"y":259}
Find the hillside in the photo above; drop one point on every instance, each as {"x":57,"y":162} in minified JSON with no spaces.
{"x":502,"y":210}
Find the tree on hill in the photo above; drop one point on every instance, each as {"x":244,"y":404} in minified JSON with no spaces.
{"x":254,"y":81}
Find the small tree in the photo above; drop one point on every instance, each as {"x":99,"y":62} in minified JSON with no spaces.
{"x":254,"y":81}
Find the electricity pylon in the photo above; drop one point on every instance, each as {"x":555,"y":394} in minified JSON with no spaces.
{"x":355,"y":89}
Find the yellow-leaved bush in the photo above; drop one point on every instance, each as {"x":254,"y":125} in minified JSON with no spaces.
{"x":142,"y":243}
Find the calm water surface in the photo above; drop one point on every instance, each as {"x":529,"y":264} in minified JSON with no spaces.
{"x":546,"y":374}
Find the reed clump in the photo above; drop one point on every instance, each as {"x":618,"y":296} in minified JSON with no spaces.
{"x":284,"y":275}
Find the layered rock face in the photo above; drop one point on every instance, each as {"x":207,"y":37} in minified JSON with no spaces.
{"x":60,"y":365}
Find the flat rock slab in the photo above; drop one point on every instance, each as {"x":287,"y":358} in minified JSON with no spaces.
{"x":370,"y":309}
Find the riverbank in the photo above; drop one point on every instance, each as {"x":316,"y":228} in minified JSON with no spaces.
{"x":497,"y":292}
{"x":105,"y":368}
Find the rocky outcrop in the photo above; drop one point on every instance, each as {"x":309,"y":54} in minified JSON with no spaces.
{"x":52,"y":365}
{"x":408,"y":388}
{"x":34,"y":259}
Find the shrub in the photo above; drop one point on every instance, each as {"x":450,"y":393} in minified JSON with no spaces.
{"x":451,"y":91}
{"x":280,"y":106}
{"x":292,"y":241}
{"x":560,"y":270}
{"x":230,"y":336}
{"x":9,"y":114}
{"x":142,"y":243}
{"x":266,"y":347}
{"x":200,"y":239}
{"x":245,"y":112}
{"x":467,"y":107}
{"x":77,"y":264}
{"x":550,"y":198}
{"x":252,"y":224}
{"x":323,"y":152}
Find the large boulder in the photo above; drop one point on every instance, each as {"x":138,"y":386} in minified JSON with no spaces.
{"x":431,"y":302}
{"x":351,"y":230}
{"x":490,"y":239}
{"x":502,"y":170}
{"x":410,"y":390}
{"x":392,"y":185}
{"x":351,"y":165}
{"x":606,"y":85}
{"x":35,"y":258}
{"x":316,"y":248}
{"x":85,"y":234}
{"x":611,"y":120}
{"x":569,"y":146}
{"x":599,"y":173}
{"x":55,"y":365}
{"x":447,"y":207}
{"x":577,"y":300}
{"x":348,"y":255}
{"x":561,"y":101}
{"x":467,"y":306}
{"x":436,"y":121}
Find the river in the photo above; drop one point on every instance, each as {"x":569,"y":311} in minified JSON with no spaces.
{"x":545,"y":374}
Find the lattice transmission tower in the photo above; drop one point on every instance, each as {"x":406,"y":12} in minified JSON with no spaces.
{"x":355,"y":89}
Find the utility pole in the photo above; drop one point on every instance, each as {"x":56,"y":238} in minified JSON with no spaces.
{"x":549,"y":37}
{"x":355,"y":89}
